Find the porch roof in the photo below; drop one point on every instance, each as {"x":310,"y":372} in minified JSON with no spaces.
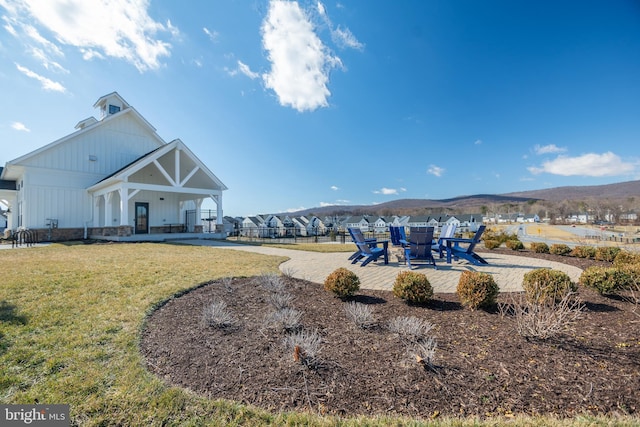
{"x":169,"y":168}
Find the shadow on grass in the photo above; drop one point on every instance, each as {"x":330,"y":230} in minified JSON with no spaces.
{"x":8,"y":314}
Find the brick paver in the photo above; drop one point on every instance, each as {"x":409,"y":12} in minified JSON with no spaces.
{"x":507,"y":270}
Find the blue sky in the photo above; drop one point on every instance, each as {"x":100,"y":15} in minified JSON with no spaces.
{"x":302,"y":104}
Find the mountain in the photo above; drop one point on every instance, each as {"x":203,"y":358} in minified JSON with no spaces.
{"x":622,"y":190}
{"x":610,"y":191}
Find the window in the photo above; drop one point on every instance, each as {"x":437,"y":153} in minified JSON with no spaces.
{"x":113,"y":109}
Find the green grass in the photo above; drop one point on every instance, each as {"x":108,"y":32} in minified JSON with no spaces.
{"x":310,"y":247}
{"x":70,"y":322}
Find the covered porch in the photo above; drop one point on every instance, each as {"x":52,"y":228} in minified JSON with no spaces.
{"x":156,"y":198}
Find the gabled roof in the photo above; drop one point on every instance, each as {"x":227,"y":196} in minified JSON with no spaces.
{"x":151,"y":158}
{"x":88,"y":125}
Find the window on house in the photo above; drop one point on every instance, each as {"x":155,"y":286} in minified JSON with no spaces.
{"x":113,"y":109}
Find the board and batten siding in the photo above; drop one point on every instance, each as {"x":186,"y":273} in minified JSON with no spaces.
{"x":111,"y":145}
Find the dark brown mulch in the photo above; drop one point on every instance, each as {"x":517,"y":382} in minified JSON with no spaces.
{"x":482,"y":366}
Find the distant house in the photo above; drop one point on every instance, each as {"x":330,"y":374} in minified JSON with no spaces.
{"x":112,"y":179}
{"x":316,"y":227}
{"x":250,"y":226}
{"x":360,"y":222}
{"x":468,"y":222}
{"x":528,"y":218}
{"x":381,"y":225}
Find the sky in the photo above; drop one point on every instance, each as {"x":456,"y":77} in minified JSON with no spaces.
{"x":302,"y":104}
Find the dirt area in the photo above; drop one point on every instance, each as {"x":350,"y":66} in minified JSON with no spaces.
{"x":481,"y":367}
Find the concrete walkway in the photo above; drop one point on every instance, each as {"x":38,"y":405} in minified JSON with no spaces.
{"x":507,"y":270}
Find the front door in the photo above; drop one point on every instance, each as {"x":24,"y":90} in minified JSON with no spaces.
{"x":142,"y":218}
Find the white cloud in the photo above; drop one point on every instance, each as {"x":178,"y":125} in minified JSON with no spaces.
{"x":478,"y":142}
{"x":435,"y":170}
{"x":606,"y":164}
{"x":387,"y":191}
{"x":300,"y":62}
{"x":244,"y":69}
{"x":213,"y":35}
{"x":345,"y":38}
{"x":334,"y":188}
{"x":48,"y":63}
{"x":548,"y":149}
{"x":301,"y":208}
{"x":46,"y":83}
{"x":20,"y":127}
{"x":113,"y":28}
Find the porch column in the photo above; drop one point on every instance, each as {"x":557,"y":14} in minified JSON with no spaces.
{"x":96,"y":211}
{"x":218,"y":200}
{"x":198,"y":203}
{"x":12,"y":206}
{"x":124,"y":206}
{"x":108,"y":209}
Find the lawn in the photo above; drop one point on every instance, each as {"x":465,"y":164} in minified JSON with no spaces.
{"x":70,"y":321}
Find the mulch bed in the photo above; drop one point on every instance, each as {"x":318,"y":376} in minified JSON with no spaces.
{"x":482,"y":366}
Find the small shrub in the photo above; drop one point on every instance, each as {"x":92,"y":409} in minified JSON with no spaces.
{"x":280,"y":300}
{"x":412,"y":287}
{"x":560,"y":249}
{"x":286,"y":319}
{"x":545,"y":285}
{"x":305,"y":347}
{"x":540,"y":247}
{"x":226,"y":283}
{"x":360,"y":314}
{"x":626,"y":258}
{"x":606,"y":253}
{"x":218,"y":315}
{"x":606,"y":281}
{"x":544,"y":321}
{"x":271,"y":282}
{"x":424,"y":352}
{"x":342,"y":282}
{"x":584,"y":252}
{"x":611,"y":280}
{"x":477,"y":289}
{"x":410,"y":329}
{"x":514,"y":245}
{"x":492,"y":244}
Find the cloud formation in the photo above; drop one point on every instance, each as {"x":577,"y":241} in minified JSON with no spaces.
{"x":20,"y":127}
{"x":548,"y":149}
{"x":300,"y":62}
{"x":213,"y":35}
{"x":591,"y":164}
{"x":389,"y":191}
{"x":334,"y":188}
{"x":435,"y":170}
{"x":101,"y":28}
{"x":46,"y":83}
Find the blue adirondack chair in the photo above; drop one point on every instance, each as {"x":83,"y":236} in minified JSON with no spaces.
{"x":367,"y":249}
{"x":358,"y":254}
{"x":456,"y":250}
{"x":398,"y":236}
{"x":446,"y":232}
{"x":419,"y":248}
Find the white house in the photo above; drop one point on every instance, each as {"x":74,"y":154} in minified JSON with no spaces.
{"x":250,"y":226}
{"x":113,"y":179}
{"x":381,"y":225}
{"x":360,"y":222}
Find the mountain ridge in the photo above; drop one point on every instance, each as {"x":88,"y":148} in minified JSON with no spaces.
{"x":556,"y":194}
